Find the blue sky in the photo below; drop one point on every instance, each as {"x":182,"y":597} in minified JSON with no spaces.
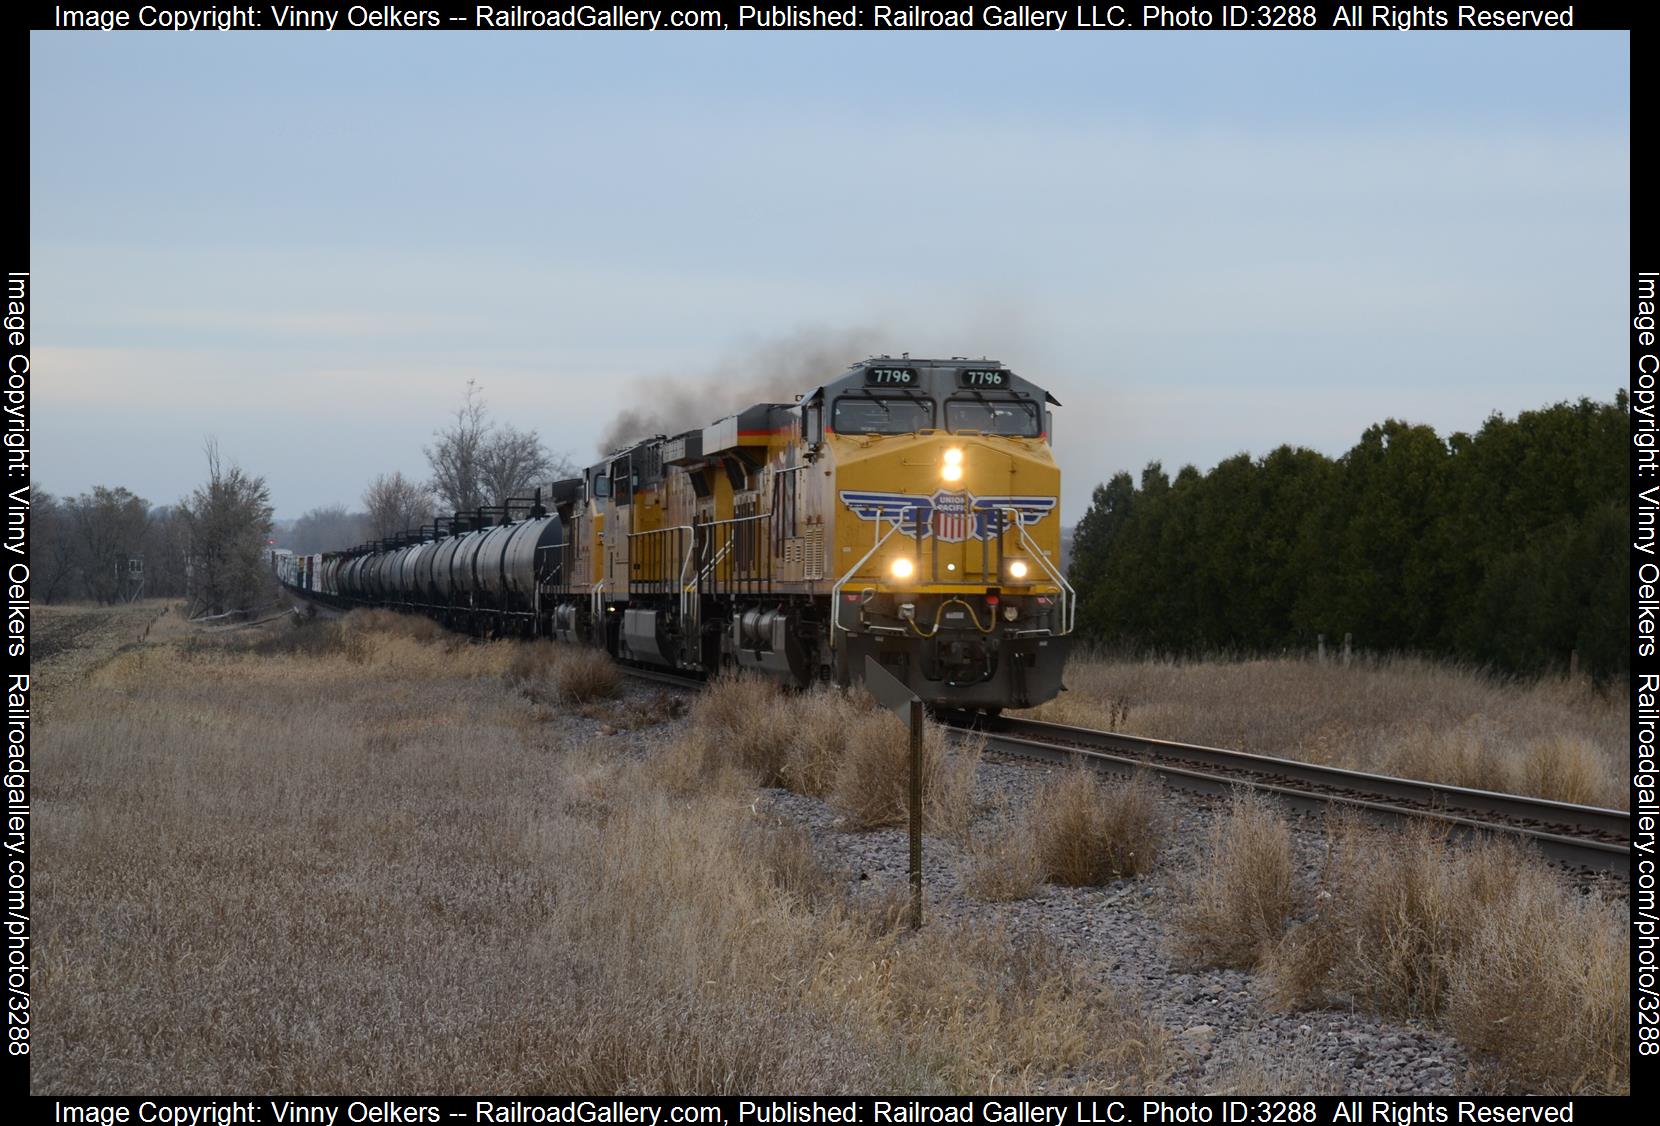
{"x":1203,"y":243}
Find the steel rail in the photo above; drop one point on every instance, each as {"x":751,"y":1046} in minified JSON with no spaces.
{"x":1583,"y":835}
{"x":661,"y":676}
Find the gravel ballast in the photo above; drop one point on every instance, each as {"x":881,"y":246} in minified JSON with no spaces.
{"x":1226,"y":1036}
{"x":1228,"y":1039}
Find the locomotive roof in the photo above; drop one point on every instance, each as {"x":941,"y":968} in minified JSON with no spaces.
{"x":932,"y":370}
{"x":761,"y":415}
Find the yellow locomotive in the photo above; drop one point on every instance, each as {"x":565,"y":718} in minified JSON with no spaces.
{"x":907,"y":509}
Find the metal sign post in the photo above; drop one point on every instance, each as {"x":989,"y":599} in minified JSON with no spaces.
{"x":892,"y":694}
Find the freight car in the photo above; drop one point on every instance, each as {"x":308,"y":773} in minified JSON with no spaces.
{"x":907,"y":510}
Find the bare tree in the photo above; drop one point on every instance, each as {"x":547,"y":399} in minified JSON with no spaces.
{"x":560,"y":468}
{"x":396,"y":504}
{"x":109,"y":528}
{"x":330,"y":528}
{"x":51,"y":544}
{"x":167,"y":554}
{"x":457,"y":457}
{"x":228,"y":518}
{"x":514,"y":462}
{"x":476,"y":461}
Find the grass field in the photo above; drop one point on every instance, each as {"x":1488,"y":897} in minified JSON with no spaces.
{"x":1554,"y":738}
{"x":359,"y":857}
{"x":369,"y":855}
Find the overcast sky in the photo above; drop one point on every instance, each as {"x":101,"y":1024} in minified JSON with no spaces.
{"x":1202,"y":243}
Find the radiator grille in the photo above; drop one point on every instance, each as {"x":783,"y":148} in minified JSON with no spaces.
{"x":814,"y":564}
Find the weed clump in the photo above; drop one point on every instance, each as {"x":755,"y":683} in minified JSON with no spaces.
{"x":583,"y":676}
{"x":1527,"y":973}
{"x":1003,"y":862}
{"x":1235,"y":909}
{"x":739,"y":722}
{"x":831,"y":745}
{"x":561,"y":674}
{"x":872,"y":785}
{"x":1566,"y":767}
{"x":1541,"y":993}
{"x":1088,"y":833}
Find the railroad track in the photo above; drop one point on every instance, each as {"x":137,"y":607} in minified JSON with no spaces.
{"x":1580,"y":835}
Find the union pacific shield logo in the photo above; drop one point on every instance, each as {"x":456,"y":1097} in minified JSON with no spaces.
{"x":948,"y":516}
{"x":952,"y":521}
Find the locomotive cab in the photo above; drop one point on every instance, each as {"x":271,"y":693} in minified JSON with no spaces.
{"x":947,"y":529}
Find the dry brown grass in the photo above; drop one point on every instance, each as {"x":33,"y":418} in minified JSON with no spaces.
{"x":1399,"y":909}
{"x":1233,"y":910}
{"x":739,"y":723}
{"x":1566,"y":767}
{"x":786,"y":854}
{"x":989,"y":1011}
{"x":1562,"y":766}
{"x":366,"y":630}
{"x":586,"y":675}
{"x":1088,"y":832}
{"x":296,"y":637}
{"x":1553,"y":737}
{"x":328,"y":871}
{"x":1003,"y":863}
{"x":1466,"y":755}
{"x":1525,"y":970}
{"x":1542,"y":993}
{"x":873,"y":781}
{"x":828,"y":744}
{"x":562,"y":674}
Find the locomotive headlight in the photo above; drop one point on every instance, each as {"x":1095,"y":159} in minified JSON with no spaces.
{"x":953,"y":456}
{"x":1017,"y":568}
{"x":952,"y":470}
{"x":901,"y":568}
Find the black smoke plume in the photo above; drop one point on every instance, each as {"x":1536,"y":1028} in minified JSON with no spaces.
{"x":772,"y":371}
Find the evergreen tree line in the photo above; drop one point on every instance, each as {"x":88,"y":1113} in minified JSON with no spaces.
{"x":1507,"y":547}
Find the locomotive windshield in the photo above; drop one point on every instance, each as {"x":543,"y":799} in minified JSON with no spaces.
{"x":870,"y":414}
{"x":1012,"y":418}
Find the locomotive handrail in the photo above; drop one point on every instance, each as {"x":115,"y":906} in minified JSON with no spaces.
{"x":836,"y":588}
{"x":551,"y":577}
{"x":662,"y":533}
{"x":1069,"y":597}
{"x":691,"y":605}
{"x":709,"y":571}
